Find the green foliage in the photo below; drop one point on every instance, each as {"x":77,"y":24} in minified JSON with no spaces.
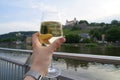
{"x":91,"y":45}
{"x":8,"y":39}
{"x":83,"y":21}
{"x":74,"y":31}
{"x":14,"y":36}
{"x":70,"y":31}
{"x":86,"y":40}
{"x":102,"y":24}
{"x":115,"y":22}
{"x":95,"y":34}
{"x":72,"y":38}
{"x":75,"y":27}
{"x":113,"y":34}
{"x":94,"y":24}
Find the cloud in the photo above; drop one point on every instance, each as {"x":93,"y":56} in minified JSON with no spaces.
{"x":43,"y":7}
{"x":28,"y":19}
{"x":35,"y":4}
{"x":18,"y":26}
{"x":91,"y":10}
{"x":24,"y":13}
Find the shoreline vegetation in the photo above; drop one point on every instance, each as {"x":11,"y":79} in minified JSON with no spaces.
{"x":91,"y":45}
{"x":78,"y":48}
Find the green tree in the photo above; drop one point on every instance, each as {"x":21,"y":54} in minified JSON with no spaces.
{"x":94,"y":24}
{"x":72,"y":38}
{"x":18,"y":36}
{"x":83,"y":21}
{"x":8,"y":39}
{"x":86,"y":40}
{"x":95,"y":34}
{"x":75,"y":27}
{"x":102,"y":24}
{"x":114,"y":22}
{"x":113,"y":34}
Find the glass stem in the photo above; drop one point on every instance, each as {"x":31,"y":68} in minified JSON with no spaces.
{"x":51,"y":64}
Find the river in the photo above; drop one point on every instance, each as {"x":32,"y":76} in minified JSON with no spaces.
{"x":74,"y":48}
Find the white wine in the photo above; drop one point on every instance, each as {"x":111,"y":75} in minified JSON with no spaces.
{"x":51,"y":27}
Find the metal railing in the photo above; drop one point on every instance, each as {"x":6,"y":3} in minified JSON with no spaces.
{"x":11,"y":69}
{"x":14,"y":70}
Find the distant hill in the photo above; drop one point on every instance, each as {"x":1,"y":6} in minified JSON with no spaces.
{"x":13,"y":36}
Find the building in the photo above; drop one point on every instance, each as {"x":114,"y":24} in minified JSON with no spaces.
{"x":29,"y":40}
{"x":85,"y":35}
{"x":18,"y":42}
{"x":72,"y":22}
{"x":75,"y":22}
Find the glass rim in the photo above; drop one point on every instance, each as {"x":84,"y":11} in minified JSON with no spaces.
{"x":45,"y":14}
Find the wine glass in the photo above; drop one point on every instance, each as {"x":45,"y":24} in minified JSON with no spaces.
{"x":51,"y":24}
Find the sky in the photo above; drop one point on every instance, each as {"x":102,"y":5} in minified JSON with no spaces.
{"x":25,"y":15}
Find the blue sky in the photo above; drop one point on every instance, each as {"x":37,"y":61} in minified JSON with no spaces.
{"x":24,"y":15}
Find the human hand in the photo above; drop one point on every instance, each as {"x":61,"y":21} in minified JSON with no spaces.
{"x":42,"y":54}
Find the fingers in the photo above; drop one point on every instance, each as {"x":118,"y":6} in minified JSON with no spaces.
{"x":56,"y":44}
{"x":44,"y":38}
{"x":35,"y":39}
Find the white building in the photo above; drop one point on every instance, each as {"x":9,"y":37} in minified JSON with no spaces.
{"x":72,"y":22}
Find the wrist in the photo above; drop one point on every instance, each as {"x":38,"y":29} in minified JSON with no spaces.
{"x":40,"y":69}
{"x":36,"y":68}
{"x":32,"y":75}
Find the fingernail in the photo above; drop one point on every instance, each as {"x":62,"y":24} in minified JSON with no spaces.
{"x":62,"y":39}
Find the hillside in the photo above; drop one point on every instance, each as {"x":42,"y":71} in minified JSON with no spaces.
{"x":13,"y":36}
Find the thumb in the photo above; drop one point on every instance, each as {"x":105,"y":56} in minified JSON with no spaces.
{"x":35,"y":39}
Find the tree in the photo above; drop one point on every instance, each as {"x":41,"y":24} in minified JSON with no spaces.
{"x":72,"y":38}
{"x":18,"y":36}
{"x":83,"y":21}
{"x":86,"y":40}
{"x":113,"y":34}
{"x":94,"y":24}
{"x":8,"y":39}
{"x":102,"y":24}
{"x":75,"y":27}
{"x":115,"y":22}
{"x":95,"y":34}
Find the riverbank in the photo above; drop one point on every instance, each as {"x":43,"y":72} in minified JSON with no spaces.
{"x":84,"y":48}
{"x":93,"y":44}
{"x":91,"y":48}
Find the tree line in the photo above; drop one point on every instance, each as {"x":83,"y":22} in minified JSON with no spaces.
{"x":110,"y":30}
{"x":14,"y":36}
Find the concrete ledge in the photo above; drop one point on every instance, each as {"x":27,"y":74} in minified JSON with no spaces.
{"x":89,"y":57}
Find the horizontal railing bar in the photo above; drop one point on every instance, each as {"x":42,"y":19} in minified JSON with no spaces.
{"x":13,"y":61}
{"x":85,"y":57}
{"x":17,"y":50}
{"x":89,"y":57}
